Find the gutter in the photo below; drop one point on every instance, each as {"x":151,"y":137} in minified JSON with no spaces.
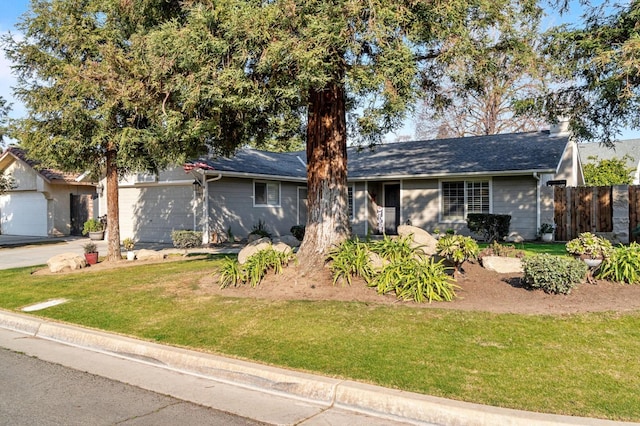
{"x":537,"y":178}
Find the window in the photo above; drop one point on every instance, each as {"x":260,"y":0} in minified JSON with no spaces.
{"x":462,"y":197}
{"x":266,"y":193}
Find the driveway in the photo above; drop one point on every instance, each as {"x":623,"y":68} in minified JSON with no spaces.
{"x":17,"y":251}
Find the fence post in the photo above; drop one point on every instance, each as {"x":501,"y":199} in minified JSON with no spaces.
{"x":620,"y":219}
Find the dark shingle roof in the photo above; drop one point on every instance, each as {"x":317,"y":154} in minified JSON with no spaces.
{"x":254,"y":162}
{"x":52,"y":175}
{"x":630,"y":147}
{"x":506,"y":153}
{"x":498,"y":154}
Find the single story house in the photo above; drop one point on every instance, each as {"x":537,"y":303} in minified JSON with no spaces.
{"x":44,"y":202}
{"x":629,"y":148}
{"x":430,"y":184}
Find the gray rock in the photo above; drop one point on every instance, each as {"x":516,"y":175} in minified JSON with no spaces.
{"x":252,"y":248}
{"x":421,"y":238}
{"x":377,"y":262}
{"x":282,"y":247}
{"x":289,"y":240}
{"x":514,"y":237}
{"x":145,"y":254}
{"x":66,"y":262}
{"x":502,"y":265}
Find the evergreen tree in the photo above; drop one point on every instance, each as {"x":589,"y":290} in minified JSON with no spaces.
{"x":598,"y":61}
{"x":90,"y":102}
{"x":324,"y":69}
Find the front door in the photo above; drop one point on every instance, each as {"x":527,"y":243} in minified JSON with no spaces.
{"x":81,"y":211}
{"x":391,"y":208}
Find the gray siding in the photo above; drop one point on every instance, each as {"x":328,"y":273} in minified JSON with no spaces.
{"x":516,"y":196}
{"x":231,"y":207}
{"x":150,"y":213}
{"x":420,"y":203}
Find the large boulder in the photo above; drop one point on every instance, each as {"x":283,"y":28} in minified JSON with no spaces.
{"x":252,"y":248}
{"x":289,"y":240}
{"x":421,"y":238}
{"x":282,"y":247}
{"x":66,"y":262}
{"x":145,"y":254}
{"x":502,"y":265}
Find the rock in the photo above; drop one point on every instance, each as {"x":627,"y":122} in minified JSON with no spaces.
{"x":282,"y":247}
{"x":514,"y":237}
{"x":421,"y":238}
{"x":502,"y":265}
{"x":255,"y":237}
{"x":145,"y":254}
{"x":289,"y":240}
{"x":66,"y":262}
{"x":252,"y":248}
{"x":377,"y":262}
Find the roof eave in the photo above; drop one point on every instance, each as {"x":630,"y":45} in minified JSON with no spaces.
{"x":452,"y":175}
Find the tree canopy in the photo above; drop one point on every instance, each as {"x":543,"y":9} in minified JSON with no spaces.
{"x":136,"y":84}
{"x":482,"y":86}
{"x":598,"y":62}
{"x":606,"y":172}
{"x":90,"y":103}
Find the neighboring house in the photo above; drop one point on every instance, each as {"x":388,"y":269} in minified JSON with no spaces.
{"x":630,"y":148}
{"x":45,"y":202}
{"x":430,"y":184}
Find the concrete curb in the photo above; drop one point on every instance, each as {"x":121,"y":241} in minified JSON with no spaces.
{"x":368,"y":399}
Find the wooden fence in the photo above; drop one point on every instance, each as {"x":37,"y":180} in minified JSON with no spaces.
{"x":591,"y":209}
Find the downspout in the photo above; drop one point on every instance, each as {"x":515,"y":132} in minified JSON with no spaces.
{"x":206,"y":237}
{"x":537,"y":178}
{"x":367,"y":199}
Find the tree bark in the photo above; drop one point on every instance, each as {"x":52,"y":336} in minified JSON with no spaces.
{"x":113,"y":211}
{"x":328,"y":219}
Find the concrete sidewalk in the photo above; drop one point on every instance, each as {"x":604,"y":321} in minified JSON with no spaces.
{"x":264,"y":393}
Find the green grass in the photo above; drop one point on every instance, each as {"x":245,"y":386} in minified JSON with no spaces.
{"x":583,"y":365}
{"x":530,"y":248}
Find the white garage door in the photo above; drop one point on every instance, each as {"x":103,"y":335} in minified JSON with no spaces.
{"x":23,"y":214}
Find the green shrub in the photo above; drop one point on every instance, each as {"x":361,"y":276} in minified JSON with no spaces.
{"x":393,"y":249}
{"x":491,"y":226}
{"x":415,"y":279}
{"x":232,"y":273}
{"x":183,"y":239}
{"x":590,"y":245}
{"x":350,"y":259}
{"x":260,"y":229}
{"x":457,"y":249}
{"x":92,"y":225}
{"x":622,"y":265}
{"x":553,"y":274}
{"x":298,"y":231}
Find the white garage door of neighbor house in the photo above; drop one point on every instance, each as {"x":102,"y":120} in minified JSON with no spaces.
{"x":23,"y":214}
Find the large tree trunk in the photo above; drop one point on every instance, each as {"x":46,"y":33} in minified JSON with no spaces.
{"x":113,"y":211}
{"x":328,"y":219}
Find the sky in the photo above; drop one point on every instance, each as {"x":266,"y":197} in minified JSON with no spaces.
{"x":11,"y":10}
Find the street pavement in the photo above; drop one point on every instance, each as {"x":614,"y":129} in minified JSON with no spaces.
{"x":254,"y":391}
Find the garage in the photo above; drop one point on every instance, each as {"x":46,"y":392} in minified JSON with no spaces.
{"x":23,"y":214}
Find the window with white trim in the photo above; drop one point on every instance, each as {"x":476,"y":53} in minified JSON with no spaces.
{"x":459,"y":198}
{"x":266,"y":193}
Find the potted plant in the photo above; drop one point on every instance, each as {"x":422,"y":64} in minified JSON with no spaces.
{"x":94,"y":228}
{"x":129,"y":245}
{"x":91,"y":253}
{"x":546,"y":232}
{"x":589,"y":247}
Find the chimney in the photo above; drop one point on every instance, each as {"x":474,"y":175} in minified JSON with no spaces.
{"x":560,"y":128}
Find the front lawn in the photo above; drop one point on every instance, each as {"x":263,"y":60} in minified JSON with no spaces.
{"x":582,"y":364}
